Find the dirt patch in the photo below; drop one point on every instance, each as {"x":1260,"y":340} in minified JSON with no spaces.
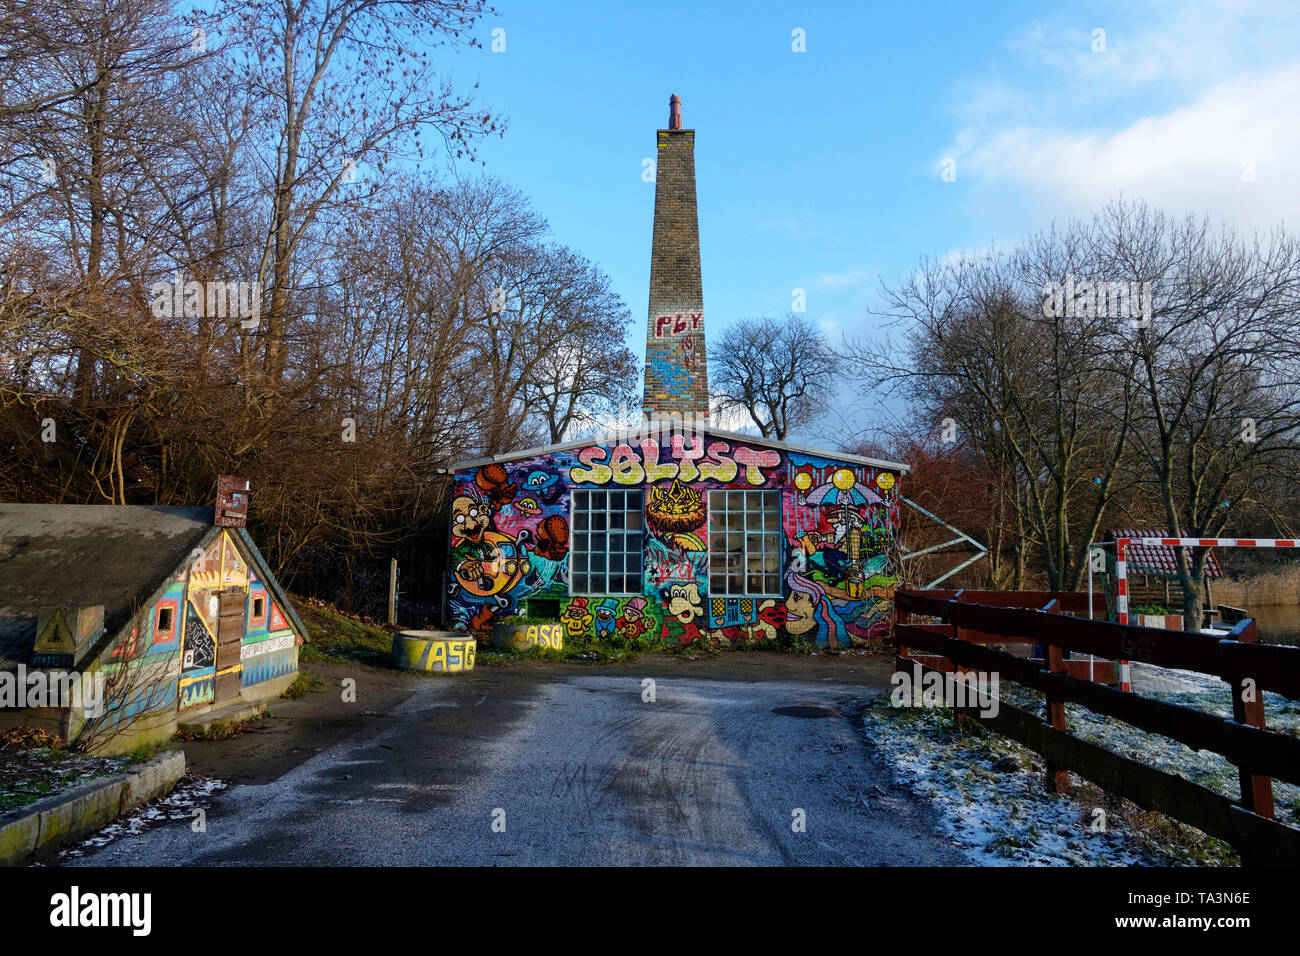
{"x":295,"y":730}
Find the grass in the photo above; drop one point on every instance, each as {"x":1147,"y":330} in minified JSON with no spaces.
{"x":33,"y":765}
{"x":1275,"y":587}
{"x":968,"y":745}
{"x":1154,"y":831}
{"x":304,"y":684}
{"x":335,"y":637}
{"x":578,"y":651}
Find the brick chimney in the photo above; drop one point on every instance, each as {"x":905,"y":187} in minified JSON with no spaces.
{"x":676,"y":379}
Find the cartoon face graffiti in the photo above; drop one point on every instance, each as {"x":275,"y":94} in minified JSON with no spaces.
{"x":541,"y":485}
{"x":684,"y":602}
{"x":605,"y":612}
{"x":576,"y":618}
{"x":469,"y":518}
{"x":528,"y":506}
{"x":632,"y":623}
{"x":800,"y":612}
{"x":497,"y":568}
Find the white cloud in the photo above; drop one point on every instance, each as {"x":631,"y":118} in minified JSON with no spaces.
{"x":1185,"y":46}
{"x":1189,"y":158}
{"x":1184,"y":96}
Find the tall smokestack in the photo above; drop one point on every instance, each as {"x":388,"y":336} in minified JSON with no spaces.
{"x":676,"y":378}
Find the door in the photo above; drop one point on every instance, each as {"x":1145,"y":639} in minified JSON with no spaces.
{"x":230,"y":636}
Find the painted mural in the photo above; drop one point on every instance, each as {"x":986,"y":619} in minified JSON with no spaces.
{"x":511,"y":534}
{"x":526,"y":636}
{"x":268,"y":648}
{"x":152,"y":651}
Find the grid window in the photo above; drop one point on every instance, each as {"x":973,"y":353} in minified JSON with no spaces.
{"x":605,"y":548}
{"x":745,"y":543}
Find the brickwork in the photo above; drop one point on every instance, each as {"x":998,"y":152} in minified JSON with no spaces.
{"x":676,"y":377}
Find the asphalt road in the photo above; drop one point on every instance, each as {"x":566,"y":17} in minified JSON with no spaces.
{"x":575,"y":769}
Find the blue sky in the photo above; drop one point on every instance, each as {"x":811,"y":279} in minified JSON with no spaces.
{"x":821,"y":170}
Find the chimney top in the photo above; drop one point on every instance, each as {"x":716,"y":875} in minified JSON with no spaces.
{"x":675,"y":112}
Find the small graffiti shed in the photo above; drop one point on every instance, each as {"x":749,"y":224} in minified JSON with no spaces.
{"x":174,"y":613}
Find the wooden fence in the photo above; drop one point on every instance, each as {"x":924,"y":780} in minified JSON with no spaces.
{"x":1248,"y":667}
{"x":1058,"y":602}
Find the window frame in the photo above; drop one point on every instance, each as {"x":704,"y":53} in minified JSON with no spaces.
{"x":722,"y":515}
{"x":161,"y":635}
{"x":583,"y":495}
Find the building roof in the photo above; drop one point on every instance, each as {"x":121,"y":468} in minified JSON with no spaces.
{"x":730,"y":436}
{"x":1160,"y":560}
{"x":114,"y":555}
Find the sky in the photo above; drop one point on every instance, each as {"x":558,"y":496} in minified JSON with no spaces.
{"x":823,"y":170}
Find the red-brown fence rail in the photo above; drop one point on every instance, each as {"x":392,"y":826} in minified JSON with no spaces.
{"x":1247,"y":666}
{"x":1059,"y":602}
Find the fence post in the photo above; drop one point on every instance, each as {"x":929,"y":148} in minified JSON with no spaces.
{"x":1256,"y":790}
{"x":1055,"y":779}
{"x":392,"y":591}
{"x":900,"y":617}
{"x":958,"y":632}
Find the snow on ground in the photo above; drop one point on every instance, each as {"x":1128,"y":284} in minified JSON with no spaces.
{"x":1006,"y":817}
{"x":997,"y":817}
{"x":1198,"y":692}
{"x":190,"y":794}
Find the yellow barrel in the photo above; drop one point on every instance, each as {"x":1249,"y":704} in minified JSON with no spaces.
{"x":445,"y":652}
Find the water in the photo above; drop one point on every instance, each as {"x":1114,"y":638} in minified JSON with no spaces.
{"x":1277,"y":623}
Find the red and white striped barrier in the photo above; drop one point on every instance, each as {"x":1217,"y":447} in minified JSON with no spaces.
{"x":1121,"y":581}
{"x":1213,"y":542}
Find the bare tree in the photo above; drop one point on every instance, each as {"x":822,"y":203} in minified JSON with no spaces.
{"x":778,"y":370}
{"x":1039,"y":398}
{"x":353,"y":85}
{"x":1218,"y":369}
{"x":406,"y":323}
{"x":1183,"y":412}
{"x":581,"y":368}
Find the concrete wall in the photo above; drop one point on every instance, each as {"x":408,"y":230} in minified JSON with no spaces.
{"x":49,"y":824}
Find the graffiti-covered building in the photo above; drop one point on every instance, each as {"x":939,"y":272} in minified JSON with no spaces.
{"x":117,"y":621}
{"x":677,"y":531}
